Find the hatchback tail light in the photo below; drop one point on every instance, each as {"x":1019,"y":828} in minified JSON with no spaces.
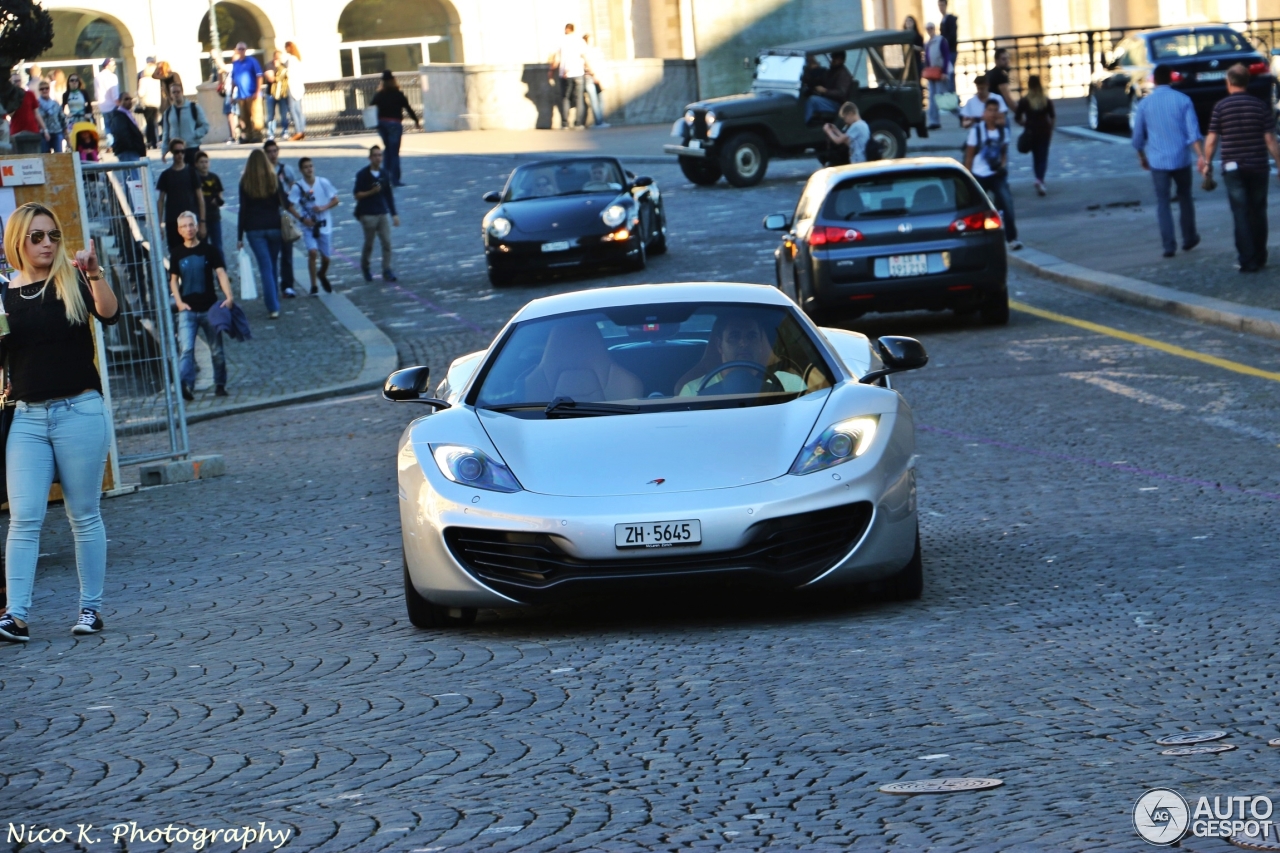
{"x":1259,"y":68}
{"x":985,"y":220}
{"x":823,"y":235}
{"x":1177,"y":77}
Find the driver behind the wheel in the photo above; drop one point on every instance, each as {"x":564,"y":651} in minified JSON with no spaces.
{"x":740,"y":338}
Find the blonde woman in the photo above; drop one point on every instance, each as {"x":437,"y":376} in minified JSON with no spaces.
{"x":297,"y":88}
{"x":259,"y":223}
{"x":1035,"y":112}
{"x":59,"y":423}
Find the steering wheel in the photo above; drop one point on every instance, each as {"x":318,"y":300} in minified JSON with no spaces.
{"x":769,"y":377}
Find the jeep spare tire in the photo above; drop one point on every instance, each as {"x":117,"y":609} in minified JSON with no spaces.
{"x":744,"y":159}
{"x":704,"y":172}
{"x":891,"y":136}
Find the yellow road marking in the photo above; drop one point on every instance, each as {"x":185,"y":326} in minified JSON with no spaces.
{"x":1171,"y":349}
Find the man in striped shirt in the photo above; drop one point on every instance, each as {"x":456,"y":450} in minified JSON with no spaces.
{"x":1165,"y":131}
{"x":1243,"y":125}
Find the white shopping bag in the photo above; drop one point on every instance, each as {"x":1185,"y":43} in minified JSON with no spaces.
{"x":248,"y":285}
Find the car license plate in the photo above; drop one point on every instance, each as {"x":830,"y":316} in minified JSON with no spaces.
{"x":695,"y":143}
{"x":558,"y":246}
{"x":658,"y":534}
{"x":1205,"y":76}
{"x":905,"y":265}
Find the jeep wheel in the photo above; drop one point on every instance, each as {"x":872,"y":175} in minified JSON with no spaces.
{"x":744,"y":160}
{"x":891,"y":136}
{"x":704,"y":173}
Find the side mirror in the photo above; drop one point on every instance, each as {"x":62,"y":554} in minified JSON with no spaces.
{"x":408,"y":386}
{"x":493,"y":197}
{"x":898,"y":354}
{"x":777,"y":222}
{"x":643,"y":181}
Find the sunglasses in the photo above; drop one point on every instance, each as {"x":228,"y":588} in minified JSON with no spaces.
{"x":37,"y":237}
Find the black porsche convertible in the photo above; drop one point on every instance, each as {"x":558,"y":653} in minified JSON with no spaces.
{"x":570,"y":213}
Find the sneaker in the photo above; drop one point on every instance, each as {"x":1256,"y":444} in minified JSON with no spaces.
{"x":1015,"y":245}
{"x":290,"y":293}
{"x":12,"y":632}
{"x":324,"y":282}
{"x":315,"y":291}
{"x":274,"y":315}
{"x":1040,"y":190}
{"x":188,"y":393}
{"x":368,"y":276}
{"x":88,"y":623}
{"x":604,"y":124}
{"x":220,"y":391}
{"x":388,"y":275}
{"x":1187,"y":247}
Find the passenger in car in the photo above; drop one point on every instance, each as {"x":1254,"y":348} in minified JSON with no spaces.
{"x":738,"y":337}
{"x":833,"y":91}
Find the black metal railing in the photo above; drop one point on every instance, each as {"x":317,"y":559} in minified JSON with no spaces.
{"x":337,"y":107}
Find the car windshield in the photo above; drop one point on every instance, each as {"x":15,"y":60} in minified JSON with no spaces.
{"x":1198,"y":43}
{"x":779,"y":69}
{"x":900,"y":194}
{"x":655,"y":358}
{"x":554,"y":179}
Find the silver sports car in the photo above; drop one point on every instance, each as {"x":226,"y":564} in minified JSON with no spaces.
{"x":654,"y":434}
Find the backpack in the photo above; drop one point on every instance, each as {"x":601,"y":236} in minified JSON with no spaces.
{"x":991,"y":148}
{"x":194,"y":120}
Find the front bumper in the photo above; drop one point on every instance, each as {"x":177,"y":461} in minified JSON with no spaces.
{"x":686,"y":151}
{"x":527,"y":255}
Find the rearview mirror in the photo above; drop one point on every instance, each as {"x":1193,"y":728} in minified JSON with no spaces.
{"x":777,"y":222}
{"x":408,"y":386}
{"x":643,"y":181}
{"x":898,"y":354}
{"x":493,"y":197}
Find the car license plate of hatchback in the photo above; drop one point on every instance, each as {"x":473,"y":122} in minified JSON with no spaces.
{"x":558,"y":246}
{"x":1206,"y":76}
{"x":658,"y":534}
{"x":906,"y":265}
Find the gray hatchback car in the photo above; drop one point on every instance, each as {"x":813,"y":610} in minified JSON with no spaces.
{"x":901,"y":235}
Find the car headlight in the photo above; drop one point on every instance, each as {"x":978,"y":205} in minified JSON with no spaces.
{"x":614,"y":215}
{"x":471,"y":467}
{"x":500,"y":227}
{"x":688,"y":116}
{"x":838,"y":443}
{"x":710,"y":118}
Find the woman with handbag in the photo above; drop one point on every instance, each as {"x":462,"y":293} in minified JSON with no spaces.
{"x":59,"y":422}
{"x":259,"y":222}
{"x":938,"y":67}
{"x":1035,"y":113}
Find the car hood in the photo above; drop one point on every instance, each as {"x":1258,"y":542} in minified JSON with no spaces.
{"x":748,"y":104}
{"x":568,"y":215}
{"x":671,"y":451}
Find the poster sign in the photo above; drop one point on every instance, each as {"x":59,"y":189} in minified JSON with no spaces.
{"x":22,"y":173}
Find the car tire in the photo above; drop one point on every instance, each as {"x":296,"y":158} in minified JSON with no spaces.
{"x":704,"y":173}
{"x":424,"y":614}
{"x":744,"y":160}
{"x":659,"y":244}
{"x":908,"y":583}
{"x":499,"y":278}
{"x":1095,"y":113}
{"x":891,"y":136}
{"x":1133,"y":111}
{"x":995,"y":311}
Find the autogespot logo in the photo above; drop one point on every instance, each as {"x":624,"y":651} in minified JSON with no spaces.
{"x":1160,"y":816}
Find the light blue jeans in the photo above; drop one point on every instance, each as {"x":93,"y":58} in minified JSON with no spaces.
{"x":188,"y":323}
{"x":69,"y":435}
{"x":296,"y":115}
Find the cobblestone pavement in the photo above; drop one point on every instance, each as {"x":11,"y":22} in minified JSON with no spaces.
{"x":1094,"y":516}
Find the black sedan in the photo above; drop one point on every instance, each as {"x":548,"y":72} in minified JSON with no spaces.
{"x":1199,"y":58}
{"x":900,"y":235}
{"x":570,"y":213}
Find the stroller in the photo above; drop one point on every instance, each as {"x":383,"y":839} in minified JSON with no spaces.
{"x":85,"y":136}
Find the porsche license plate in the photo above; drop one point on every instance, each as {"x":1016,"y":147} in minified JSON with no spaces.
{"x":906,"y":265}
{"x":558,"y":246}
{"x":658,"y":534}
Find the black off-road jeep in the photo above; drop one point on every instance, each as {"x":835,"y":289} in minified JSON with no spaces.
{"x":736,"y":136}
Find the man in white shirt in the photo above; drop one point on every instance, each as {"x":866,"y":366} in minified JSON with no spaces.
{"x":973,"y":109}
{"x":986,"y":156}
{"x":314,"y":197}
{"x":106,"y":86}
{"x":568,"y":70}
{"x":595,"y":71}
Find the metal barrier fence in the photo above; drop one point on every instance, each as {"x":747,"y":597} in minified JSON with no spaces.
{"x":1066,"y":62}
{"x":336,"y":107}
{"x":140,"y":352}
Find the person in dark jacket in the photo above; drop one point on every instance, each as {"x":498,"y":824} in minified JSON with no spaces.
{"x":259,"y":222}
{"x":1035,"y":112}
{"x":376,"y":210}
{"x":837,"y":84}
{"x":392,"y":105}
{"x":128,"y":143}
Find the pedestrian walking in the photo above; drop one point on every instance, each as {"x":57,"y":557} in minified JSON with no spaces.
{"x":183,"y":119}
{"x":595,"y":68}
{"x":126,"y":138}
{"x":55,"y":124}
{"x":211,"y":189}
{"x":392,"y":106}
{"x":222,"y":75}
{"x":297,"y":88}
{"x":976,"y":107}
{"x":194,"y":267}
{"x":168,"y":78}
{"x":178,"y":190}
{"x":106,"y":86}
{"x":75,"y":101}
{"x":852,"y":138}
{"x":275,"y":94}
{"x":149,"y":101}
{"x":286,"y":176}
{"x":313,"y":197}
{"x":246,"y":89}
{"x":27,"y":117}
{"x":568,"y":70}
{"x":1035,"y":112}
{"x":259,"y":223}
{"x":1242,"y":125}
{"x":376,"y":210}
{"x":59,"y":423}
{"x":949,"y":28}
{"x":998,"y":79}
{"x":939,"y":64}
{"x":910,"y":24}
{"x":986,"y":156}
{"x":1165,"y":133}
{"x":58,"y":84}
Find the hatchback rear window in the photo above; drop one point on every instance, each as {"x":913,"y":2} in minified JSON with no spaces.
{"x":1198,"y":43}
{"x":900,"y":194}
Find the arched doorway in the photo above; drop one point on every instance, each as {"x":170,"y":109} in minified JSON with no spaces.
{"x":81,"y":41}
{"x":398,"y":35}
{"x":236,"y":23}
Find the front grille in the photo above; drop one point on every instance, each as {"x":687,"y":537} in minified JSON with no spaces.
{"x":535,"y":567}
{"x":699,"y":124}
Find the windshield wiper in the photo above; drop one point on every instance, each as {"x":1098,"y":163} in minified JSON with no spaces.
{"x":567,"y":407}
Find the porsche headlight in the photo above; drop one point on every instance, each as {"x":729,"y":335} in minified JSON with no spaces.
{"x":471,"y":467}
{"x":614,"y":215}
{"x":838,"y":443}
{"x":500,"y":227}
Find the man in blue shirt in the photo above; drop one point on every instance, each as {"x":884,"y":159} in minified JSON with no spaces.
{"x":376,"y":210}
{"x":1165,"y":130}
{"x":246,"y":83}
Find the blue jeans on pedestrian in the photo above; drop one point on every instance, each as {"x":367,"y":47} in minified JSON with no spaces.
{"x":52,"y":145}
{"x":265,"y":245}
{"x":69,"y":436}
{"x":188,"y":323}
{"x":1040,"y":156}
{"x":1181,"y":180}
{"x":286,"y":265}
{"x":1247,"y":193}
{"x":818,"y":104}
{"x":997,"y":187}
{"x":594,"y":99}
{"x":271,"y":105}
{"x":295,"y":113}
{"x":129,"y":157}
{"x":391,"y":131}
{"x":936,"y":88}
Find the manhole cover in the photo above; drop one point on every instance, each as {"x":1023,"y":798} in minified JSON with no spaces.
{"x":1198,"y":750}
{"x":1190,"y":737}
{"x":1254,"y":842}
{"x":940,"y":786}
